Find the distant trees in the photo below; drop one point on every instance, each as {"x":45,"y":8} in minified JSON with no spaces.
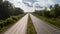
{"x":18,"y":11}
{"x":57,"y":10}
{"x":54,"y":11}
{"x":7,"y":9}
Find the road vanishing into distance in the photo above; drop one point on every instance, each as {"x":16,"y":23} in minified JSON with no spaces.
{"x":41,"y":27}
{"x":20,"y":27}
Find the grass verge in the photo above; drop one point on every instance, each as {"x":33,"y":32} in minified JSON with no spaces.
{"x":55,"y":22}
{"x":31,"y":28}
{"x":5,"y":24}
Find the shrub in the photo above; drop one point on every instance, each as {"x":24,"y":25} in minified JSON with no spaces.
{"x":14,"y":18}
{"x":8,"y":21}
{"x":1,"y":25}
{"x":59,"y":17}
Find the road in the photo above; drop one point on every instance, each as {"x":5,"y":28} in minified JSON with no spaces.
{"x":42,"y":27}
{"x":20,"y":27}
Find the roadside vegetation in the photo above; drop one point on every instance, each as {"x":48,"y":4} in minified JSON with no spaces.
{"x":55,"y":22}
{"x":31,"y":28}
{"x":9,"y":14}
{"x":51,"y":16}
{"x":7,"y":23}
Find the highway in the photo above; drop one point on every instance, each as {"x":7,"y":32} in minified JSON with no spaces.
{"x":20,"y":27}
{"x":42,"y":27}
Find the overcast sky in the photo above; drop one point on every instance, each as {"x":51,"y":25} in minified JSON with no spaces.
{"x":31,"y":5}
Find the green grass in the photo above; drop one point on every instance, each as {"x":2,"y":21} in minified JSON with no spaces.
{"x":5,"y":24}
{"x":55,"y":22}
{"x":31,"y":28}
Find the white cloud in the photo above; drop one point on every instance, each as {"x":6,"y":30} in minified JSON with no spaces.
{"x":56,"y":1}
{"x":44,"y":3}
{"x":50,"y":2}
{"x":26,"y":8}
{"x":29,"y":9}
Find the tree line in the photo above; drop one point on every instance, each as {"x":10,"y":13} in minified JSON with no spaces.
{"x":9,"y":14}
{"x":7,"y":9}
{"x":54,"y":12}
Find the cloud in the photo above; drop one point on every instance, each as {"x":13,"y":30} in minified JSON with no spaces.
{"x":56,"y":1}
{"x":31,"y":5}
{"x":41,"y":3}
{"x":27,"y":4}
{"x":31,"y":1}
{"x":37,"y":5}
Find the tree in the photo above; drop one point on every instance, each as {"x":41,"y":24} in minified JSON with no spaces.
{"x":6,"y":9}
{"x":0,"y":2}
{"x":18,"y":11}
{"x":57,"y":10}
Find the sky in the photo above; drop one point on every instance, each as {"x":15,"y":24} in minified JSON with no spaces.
{"x":32,"y":5}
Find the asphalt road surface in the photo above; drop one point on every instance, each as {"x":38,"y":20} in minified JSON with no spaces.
{"x":42,"y":27}
{"x":20,"y":27}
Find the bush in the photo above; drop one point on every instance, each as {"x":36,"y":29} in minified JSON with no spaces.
{"x":14,"y":18}
{"x":8,"y":21}
{"x":59,"y":17}
{"x":1,"y":25}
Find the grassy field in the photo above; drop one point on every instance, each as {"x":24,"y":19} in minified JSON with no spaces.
{"x":55,"y":22}
{"x":31,"y":28}
{"x":5,"y":24}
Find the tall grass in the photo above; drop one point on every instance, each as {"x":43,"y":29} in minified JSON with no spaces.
{"x":31,"y":28}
